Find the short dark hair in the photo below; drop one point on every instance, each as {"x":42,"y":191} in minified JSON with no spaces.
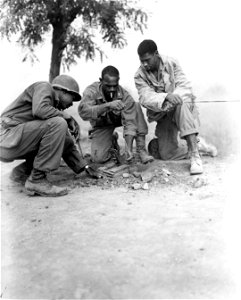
{"x":110,"y":70}
{"x":146,"y":46}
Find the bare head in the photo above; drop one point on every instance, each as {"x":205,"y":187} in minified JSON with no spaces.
{"x":148,"y":55}
{"x":110,"y":81}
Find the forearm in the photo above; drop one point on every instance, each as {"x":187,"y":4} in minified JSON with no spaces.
{"x":89,"y":112}
{"x":151,"y":100}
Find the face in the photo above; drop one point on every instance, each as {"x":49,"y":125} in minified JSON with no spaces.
{"x":109,"y":86}
{"x":65,"y":100}
{"x":150,"y":61}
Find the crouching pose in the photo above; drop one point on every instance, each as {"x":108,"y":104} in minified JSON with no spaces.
{"x":107,"y":105}
{"x":167,"y":95}
{"x":35,"y":128}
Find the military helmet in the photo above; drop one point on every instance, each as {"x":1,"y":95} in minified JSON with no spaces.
{"x":67,"y":83}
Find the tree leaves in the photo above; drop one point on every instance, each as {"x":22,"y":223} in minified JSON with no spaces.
{"x":31,"y":20}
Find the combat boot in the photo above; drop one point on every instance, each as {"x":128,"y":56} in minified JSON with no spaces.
{"x":196,"y":164}
{"x":38,"y":184}
{"x":20,"y":173}
{"x":141,"y":149}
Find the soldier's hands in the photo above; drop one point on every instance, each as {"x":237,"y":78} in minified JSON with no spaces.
{"x":74,"y":127}
{"x":93,"y":172}
{"x":116,"y":105}
{"x":174,"y":99}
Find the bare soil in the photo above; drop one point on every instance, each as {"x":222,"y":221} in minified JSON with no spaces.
{"x":175,"y":236}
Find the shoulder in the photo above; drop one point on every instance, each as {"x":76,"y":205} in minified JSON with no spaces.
{"x":139,"y":72}
{"x":94,"y":87}
{"x":124,"y":93}
{"x":169,"y":60}
{"x":40,"y":88}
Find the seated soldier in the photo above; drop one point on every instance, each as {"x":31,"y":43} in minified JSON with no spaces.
{"x":167,"y":95}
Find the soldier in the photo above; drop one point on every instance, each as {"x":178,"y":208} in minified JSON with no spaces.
{"x":36,"y":128}
{"x":167,"y":95}
{"x":108,"y":105}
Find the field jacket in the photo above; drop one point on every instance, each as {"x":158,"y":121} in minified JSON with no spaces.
{"x":152,"y":92}
{"x":37,"y":102}
{"x":93,"y":97}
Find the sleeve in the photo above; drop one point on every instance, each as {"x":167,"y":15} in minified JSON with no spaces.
{"x":182,"y":86}
{"x":42,"y":102}
{"x":148,"y":97}
{"x":88,"y":110}
{"x":129,"y":115}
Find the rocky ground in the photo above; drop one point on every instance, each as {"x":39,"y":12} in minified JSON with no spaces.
{"x":153,"y":231}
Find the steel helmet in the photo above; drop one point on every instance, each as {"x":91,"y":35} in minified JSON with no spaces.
{"x":68,"y":84}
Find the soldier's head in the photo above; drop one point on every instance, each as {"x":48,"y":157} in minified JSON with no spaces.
{"x":67,"y":90}
{"x":148,"y":55}
{"x":110,"y":81}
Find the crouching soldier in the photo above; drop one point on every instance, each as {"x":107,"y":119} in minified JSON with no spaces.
{"x":36,"y":128}
{"x":107,"y":106}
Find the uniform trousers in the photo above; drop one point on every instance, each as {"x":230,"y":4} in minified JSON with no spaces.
{"x":43,"y":143}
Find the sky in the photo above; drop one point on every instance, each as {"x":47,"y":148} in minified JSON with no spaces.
{"x":203,"y":35}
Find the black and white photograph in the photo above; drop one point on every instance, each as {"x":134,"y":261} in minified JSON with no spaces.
{"x":120,"y":149}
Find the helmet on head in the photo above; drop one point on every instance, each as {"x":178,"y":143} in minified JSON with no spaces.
{"x":67,"y":83}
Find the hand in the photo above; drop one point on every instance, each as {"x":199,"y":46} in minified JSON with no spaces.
{"x":174,"y":99}
{"x":116,"y":105}
{"x":93,"y":172}
{"x":74,"y":128}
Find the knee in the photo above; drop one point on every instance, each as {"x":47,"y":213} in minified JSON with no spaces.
{"x":59,"y":123}
{"x":99,"y":156}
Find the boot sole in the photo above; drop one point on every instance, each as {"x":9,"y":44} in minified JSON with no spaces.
{"x":35,"y":193}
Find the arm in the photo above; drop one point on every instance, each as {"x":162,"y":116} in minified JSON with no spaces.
{"x":128,"y":115}
{"x":148,"y":97}
{"x":88,"y":108}
{"x":43,"y":102}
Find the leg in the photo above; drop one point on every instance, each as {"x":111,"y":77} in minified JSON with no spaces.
{"x":72,"y":156}
{"x":186,"y":118}
{"x":142,"y":131}
{"x":46,"y":138}
{"x":167,"y":136}
{"x":101,"y":143}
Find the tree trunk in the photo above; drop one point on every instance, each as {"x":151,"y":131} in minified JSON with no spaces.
{"x":58,"y":46}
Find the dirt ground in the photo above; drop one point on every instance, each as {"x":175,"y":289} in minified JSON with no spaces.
{"x":175,"y":236}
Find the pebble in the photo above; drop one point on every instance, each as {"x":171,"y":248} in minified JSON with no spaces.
{"x":166,"y":172}
{"x":147,"y":176}
{"x":199,"y":182}
{"x":125,"y":175}
{"x":136,"y":186}
{"x":145,"y":186}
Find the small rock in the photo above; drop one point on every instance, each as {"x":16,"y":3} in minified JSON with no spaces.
{"x":136,"y":174}
{"x":145,"y":186}
{"x":125,"y":175}
{"x":136,"y":186}
{"x":147,"y":176}
{"x":166,"y":172}
{"x":199,"y":182}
